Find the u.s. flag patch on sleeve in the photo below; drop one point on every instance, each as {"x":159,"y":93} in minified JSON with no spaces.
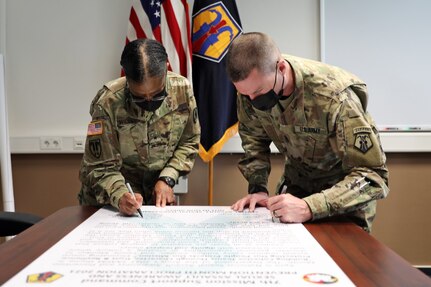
{"x":95,"y":128}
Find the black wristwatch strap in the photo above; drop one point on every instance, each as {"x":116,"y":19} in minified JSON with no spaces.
{"x":168,"y":180}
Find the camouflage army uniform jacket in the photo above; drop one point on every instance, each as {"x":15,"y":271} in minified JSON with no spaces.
{"x":126,"y":143}
{"x":333,"y":155}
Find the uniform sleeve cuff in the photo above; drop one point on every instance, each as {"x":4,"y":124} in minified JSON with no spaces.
{"x":115,"y":197}
{"x":171,"y":172}
{"x":254,"y":188}
{"x":318,"y":205}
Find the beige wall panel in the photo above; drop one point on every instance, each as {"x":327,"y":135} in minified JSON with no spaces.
{"x":46,"y":183}
{"x":403,"y":219}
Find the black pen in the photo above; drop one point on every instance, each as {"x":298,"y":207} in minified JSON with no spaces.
{"x":133,"y":195}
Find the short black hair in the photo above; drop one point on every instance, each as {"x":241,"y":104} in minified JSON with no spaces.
{"x":144,"y":58}
{"x":253,"y":50}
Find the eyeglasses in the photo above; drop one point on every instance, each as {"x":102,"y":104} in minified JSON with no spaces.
{"x":156,"y":98}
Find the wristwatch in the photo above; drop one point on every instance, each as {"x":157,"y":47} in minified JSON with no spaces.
{"x":168,"y":180}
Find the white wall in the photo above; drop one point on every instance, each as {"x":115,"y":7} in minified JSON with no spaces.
{"x":294,"y":24}
{"x":58,"y":53}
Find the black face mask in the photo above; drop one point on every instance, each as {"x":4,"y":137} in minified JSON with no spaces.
{"x":268,"y":100}
{"x":150,"y":106}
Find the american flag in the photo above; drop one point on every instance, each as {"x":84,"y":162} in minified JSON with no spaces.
{"x":168,"y":22}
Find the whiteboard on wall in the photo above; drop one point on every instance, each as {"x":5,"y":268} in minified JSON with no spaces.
{"x":387,"y":43}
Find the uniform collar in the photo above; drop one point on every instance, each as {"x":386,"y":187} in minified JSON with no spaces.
{"x":294,"y":107}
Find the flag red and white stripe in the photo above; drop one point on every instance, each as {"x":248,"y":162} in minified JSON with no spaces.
{"x":168,"y":22}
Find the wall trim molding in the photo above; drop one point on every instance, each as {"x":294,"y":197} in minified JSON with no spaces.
{"x":391,"y":141}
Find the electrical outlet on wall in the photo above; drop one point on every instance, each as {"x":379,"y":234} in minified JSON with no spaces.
{"x":78,"y":143}
{"x":51,"y":143}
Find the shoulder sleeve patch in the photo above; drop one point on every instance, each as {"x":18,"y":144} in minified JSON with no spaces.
{"x":95,"y":147}
{"x":362,"y":144}
{"x":363,"y":129}
{"x":95,"y":128}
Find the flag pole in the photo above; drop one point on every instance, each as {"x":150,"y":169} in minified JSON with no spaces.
{"x":210,"y":182}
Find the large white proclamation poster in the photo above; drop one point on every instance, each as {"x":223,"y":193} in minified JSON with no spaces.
{"x":184,"y":246}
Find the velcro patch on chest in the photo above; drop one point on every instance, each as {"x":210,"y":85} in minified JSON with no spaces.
{"x":127,"y":121}
{"x":310,"y":130}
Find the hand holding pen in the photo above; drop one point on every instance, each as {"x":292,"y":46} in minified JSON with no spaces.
{"x":130,"y":202}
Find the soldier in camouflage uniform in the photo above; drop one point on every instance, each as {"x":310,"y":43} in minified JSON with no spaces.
{"x":144,"y":131}
{"x":316,"y":116}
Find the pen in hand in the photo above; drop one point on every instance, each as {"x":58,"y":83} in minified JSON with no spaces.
{"x":133,"y":195}
{"x":275,"y":217}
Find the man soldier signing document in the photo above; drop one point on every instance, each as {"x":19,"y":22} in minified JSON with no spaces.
{"x":316,"y":115}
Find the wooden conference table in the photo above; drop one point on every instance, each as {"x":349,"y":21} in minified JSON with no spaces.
{"x":366,"y":261}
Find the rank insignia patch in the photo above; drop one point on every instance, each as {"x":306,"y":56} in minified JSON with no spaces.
{"x":45,"y":277}
{"x":95,"y":147}
{"x":95,"y":128}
